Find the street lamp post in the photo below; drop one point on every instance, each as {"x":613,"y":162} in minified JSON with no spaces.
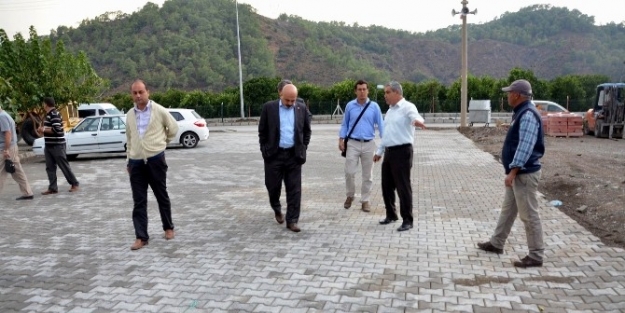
{"x":240,"y":69}
{"x":464,"y":72}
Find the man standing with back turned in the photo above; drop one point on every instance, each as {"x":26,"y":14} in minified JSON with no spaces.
{"x":284,"y":134}
{"x":522,"y":149}
{"x":149,"y":128}
{"x":396,"y":146}
{"x":360,"y":145}
{"x":54,"y":136}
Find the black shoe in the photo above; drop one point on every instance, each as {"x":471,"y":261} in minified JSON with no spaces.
{"x":488,"y":247}
{"x":387,"y":221}
{"x":528,"y":262}
{"x":404,"y":227}
{"x":25,"y":197}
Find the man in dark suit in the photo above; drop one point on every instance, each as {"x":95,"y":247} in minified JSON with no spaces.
{"x":284,"y":133}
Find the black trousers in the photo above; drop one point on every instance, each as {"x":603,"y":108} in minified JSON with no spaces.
{"x":55,"y":156}
{"x":283,"y":167}
{"x":396,"y":168}
{"x":152,"y":173}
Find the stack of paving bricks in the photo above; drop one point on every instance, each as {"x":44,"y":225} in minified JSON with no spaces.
{"x":563,"y":125}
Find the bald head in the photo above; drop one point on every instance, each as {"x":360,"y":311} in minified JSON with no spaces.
{"x":289,"y":95}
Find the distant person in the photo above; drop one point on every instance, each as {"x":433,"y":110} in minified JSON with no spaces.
{"x":360,"y":145}
{"x":149,"y":128}
{"x":8,"y":146}
{"x":284,"y":134}
{"x":522,"y":149}
{"x":54,"y":137}
{"x":396,"y":146}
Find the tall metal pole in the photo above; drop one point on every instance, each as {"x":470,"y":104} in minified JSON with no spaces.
{"x":464,"y":73}
{"x":240,"y":68}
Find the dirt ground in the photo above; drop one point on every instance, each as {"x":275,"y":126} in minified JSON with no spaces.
{"x":586,"y":174}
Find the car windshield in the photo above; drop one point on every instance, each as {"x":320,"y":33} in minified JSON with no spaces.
{"x":113,"y":111}
{"x":196,"y":115}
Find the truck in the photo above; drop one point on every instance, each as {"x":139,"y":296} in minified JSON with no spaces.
{"x":27,"y":122}
{"x":607,"y":118}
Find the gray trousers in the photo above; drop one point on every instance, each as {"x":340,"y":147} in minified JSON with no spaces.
{"x":522,"y":199}
{"x":359,"y":152}
{"x":55,"y":155}
{"x":19,"y":176}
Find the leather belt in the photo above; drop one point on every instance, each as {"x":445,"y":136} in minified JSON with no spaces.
{"x":361,"y":140}
{"x":391,"y":148}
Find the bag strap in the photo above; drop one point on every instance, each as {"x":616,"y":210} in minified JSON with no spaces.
{"x":358,"y":119}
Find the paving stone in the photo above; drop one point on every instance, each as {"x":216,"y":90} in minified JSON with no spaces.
{"x":69,"y":253}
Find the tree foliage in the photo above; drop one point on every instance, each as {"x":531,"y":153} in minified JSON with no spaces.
{"x":35,"y":68}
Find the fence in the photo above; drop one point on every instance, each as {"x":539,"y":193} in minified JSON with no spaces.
{"x":233,"y":110}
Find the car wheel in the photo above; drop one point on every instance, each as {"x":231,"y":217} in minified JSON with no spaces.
{"x":72,"y":157}
{"x":189,"y":140}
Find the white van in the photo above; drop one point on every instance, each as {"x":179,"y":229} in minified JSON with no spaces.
{"x":91,"y":109}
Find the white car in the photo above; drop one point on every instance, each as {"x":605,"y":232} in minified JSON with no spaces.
{"x":94,"y":134}
{"x":191,"y":128}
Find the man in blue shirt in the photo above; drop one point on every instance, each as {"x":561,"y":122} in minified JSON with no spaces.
{"x":360,"y":145}
{"x":522,"y":149}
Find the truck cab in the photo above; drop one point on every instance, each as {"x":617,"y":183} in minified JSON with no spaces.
{"x":607,"y":118}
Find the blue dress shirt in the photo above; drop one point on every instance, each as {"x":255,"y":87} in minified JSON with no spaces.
{"x":365,"y":129}
{"x":287,"y":126}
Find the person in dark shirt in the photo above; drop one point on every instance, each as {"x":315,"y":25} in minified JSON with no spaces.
{"x":54,"y":135}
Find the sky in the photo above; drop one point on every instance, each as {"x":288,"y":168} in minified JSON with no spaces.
{"x":45,"y":15}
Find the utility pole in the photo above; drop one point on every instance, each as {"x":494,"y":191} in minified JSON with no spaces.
{"x":240,"y":69}
{"x":465,"y":67}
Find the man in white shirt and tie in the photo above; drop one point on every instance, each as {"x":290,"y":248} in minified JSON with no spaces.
{"x":396,"y":146}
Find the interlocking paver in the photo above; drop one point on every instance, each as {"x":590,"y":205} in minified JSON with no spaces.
{"x":69,"y":252}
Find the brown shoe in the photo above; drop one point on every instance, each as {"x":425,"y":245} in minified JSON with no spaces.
{"x":366,"y":207}
{"x":279,"y":218}
{"x":74,"y":188}
{"x":293,"y":227}
{"x":348,"y":202}
{"x":138,"y":244}
{"x":49,"y":192}
{"x":169,"y":234}
{"x":527,"y":262}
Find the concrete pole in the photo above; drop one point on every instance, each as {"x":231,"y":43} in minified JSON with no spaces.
{"x":240,"y":68}
{"x":464,"y":73}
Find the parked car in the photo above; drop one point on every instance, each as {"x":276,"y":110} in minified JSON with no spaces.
{"x":90,"y":109}
{"x":545,"y":107}
{"x":191,"y":127}
{"x":94,"y":134}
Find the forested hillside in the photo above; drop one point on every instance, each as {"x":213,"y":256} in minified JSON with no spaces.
{"x":192,"y":44}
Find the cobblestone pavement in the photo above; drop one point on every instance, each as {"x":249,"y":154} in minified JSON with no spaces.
{"x":70,"y":252}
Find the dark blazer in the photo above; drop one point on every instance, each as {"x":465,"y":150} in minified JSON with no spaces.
{"x":269,"y":130}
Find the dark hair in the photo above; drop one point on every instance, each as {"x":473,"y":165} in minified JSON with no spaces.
{"x":283,"y":83}
{"x":360,"y":82}
{"x":139,"y":81}
{"x":49,"y":101}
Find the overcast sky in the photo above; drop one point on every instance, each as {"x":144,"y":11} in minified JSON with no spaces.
{"x":18,"y":15}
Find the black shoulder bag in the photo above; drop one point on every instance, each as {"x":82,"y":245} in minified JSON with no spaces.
{"x":344,"y":152}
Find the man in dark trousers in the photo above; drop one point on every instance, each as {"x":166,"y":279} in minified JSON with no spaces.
{"x":54,"y":136}
{"x":284,"y":134}
{"x":396,"y":146}
{"x":149,"y":128}
{"x":522,"y":149}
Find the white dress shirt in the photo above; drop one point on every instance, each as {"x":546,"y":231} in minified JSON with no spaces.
{"x":398,"y":128}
